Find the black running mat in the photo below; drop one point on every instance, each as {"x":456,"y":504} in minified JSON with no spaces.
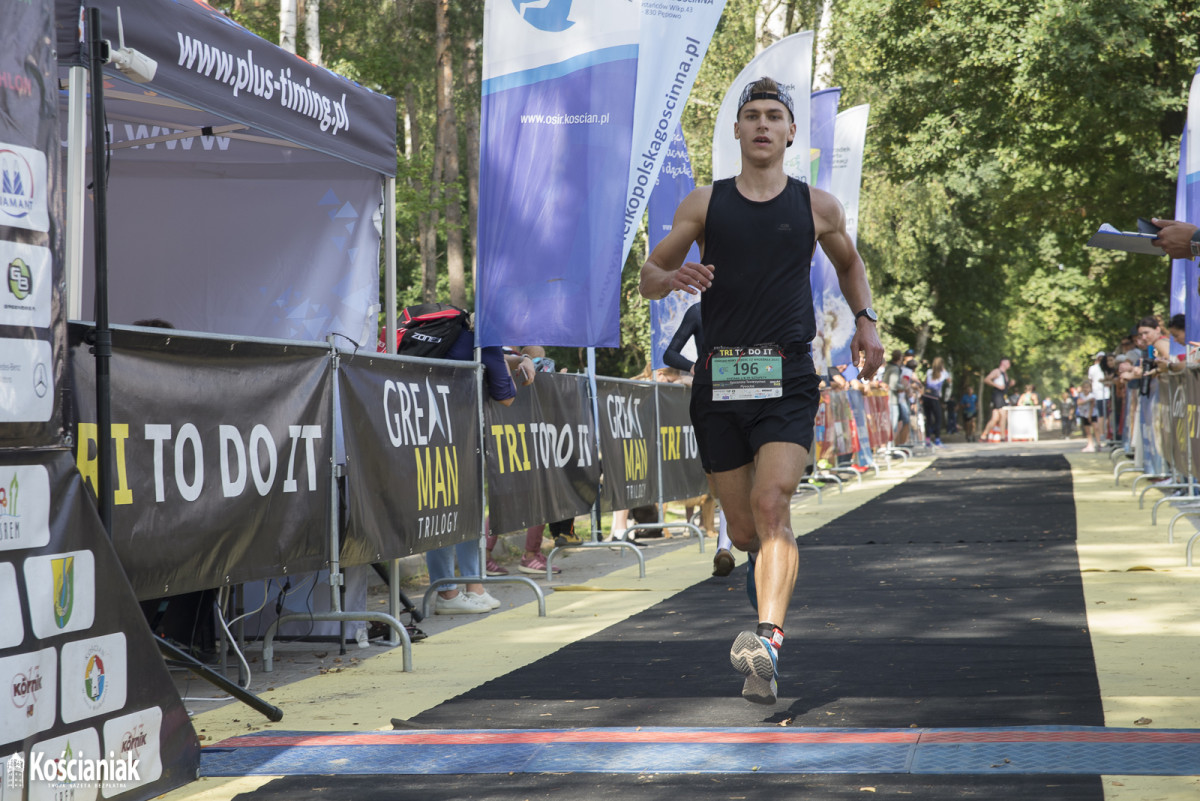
{"x":952,"y":600}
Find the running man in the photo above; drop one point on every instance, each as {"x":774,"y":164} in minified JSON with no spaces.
{"x":755,"y":389}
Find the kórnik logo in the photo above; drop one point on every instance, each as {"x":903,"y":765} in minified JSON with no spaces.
{"x":545,"y":15}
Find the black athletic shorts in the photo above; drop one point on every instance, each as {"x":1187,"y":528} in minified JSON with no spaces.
{"x":998,"y":399}
{"x":694,"y":413}
{"x":729,"y":433}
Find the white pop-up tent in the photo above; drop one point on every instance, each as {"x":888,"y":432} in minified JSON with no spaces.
{"x":248,"y":189}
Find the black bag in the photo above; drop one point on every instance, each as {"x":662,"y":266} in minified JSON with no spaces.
{"x":430,"y":329}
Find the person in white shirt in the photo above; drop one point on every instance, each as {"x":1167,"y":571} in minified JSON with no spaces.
{"x":1100,"y":396}
{"x":1084,"y":410}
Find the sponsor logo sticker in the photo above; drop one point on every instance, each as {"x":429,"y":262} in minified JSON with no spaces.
{"x":68,"y":767}
{"x":135,"y":737}
{"x":23,"y":188}
{"x":27,"y":684}
{"x":12,"y":630}
{"x":62,"y":592}
{"x":26,"y":380}
{"x":25,"y":291}
{"x":24,"y":506}
{"x":94,"y":677}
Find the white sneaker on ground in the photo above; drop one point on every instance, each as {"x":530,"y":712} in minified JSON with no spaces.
{"x":754,"y":658}
{"x":484,"y":597}
{"x":461,"y":604}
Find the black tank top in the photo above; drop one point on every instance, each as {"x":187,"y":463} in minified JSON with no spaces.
{"x":761,"y":252}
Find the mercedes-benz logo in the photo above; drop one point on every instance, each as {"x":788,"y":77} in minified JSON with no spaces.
{"x":41,"y":380}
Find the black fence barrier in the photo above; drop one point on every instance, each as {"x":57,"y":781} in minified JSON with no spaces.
{"x":223,"y":456}
{"x":411,"y":430}
{"x":542,"y":462}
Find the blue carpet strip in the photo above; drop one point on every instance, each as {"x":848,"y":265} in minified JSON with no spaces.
{"x":1029,"y":750}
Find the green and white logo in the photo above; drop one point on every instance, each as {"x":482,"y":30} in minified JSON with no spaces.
{"x":20,"y":279}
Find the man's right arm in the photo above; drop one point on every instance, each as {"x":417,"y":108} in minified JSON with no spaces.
{"x":664,"y":270}
{"x":1176,"y":238}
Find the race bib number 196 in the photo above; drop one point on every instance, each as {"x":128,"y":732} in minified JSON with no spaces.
{"x":752,"y":373}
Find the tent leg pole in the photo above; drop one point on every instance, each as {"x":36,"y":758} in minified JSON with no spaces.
{"x":389,"y":258}
{"x":76,"y":192}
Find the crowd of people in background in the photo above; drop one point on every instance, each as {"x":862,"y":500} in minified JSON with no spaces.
{"x":1095,"y":405}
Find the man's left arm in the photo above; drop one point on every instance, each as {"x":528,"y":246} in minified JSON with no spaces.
{"x":830,"y":220}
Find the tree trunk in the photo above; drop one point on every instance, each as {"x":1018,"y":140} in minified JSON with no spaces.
{"x":471,"y":122}
{"x":426,"y":221}
{"x":312,"y":30}
{"x":447,"y":147}
{"x":769,"y":23}
{"x":287,"y":25}
{"x":823,"y":74}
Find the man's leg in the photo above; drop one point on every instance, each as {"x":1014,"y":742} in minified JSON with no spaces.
{"x":757,"y":502}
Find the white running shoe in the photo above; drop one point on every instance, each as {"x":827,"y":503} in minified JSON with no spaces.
{"x":484,"y":597}
{"x":461,"y":604}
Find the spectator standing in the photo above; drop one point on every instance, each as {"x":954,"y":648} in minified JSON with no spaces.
{"x":1066,"y":413}
{"x":936,"y":379}
{"x":1084,"y":412}
{"x":893,"y":378}
{"x":474,"y":599}
{"x":691,"y":329}
{"x":970,"y":412}
{"x":1100,"y":396}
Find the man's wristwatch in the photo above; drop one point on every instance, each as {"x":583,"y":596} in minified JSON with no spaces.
{"x":870,"y":314}
{"x":1196,"y":244}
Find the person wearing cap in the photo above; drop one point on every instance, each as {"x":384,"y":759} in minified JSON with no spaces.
{"x":755,"y":393}
{"x":1100,"y":399}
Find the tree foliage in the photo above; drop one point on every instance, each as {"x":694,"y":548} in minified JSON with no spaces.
{"x":1003,"y":133}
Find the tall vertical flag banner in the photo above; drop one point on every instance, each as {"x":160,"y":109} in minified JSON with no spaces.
{"x":835,"y":320}
{"x":557,"y":121}
{"x":674,"y":39}
{"x":1191,"y":179}
{"x":789,"y":62}
{"x":1179,"y":267}
{"x":675,"y":181}
{"x":845,"y":180}
{"x":849,"y":142}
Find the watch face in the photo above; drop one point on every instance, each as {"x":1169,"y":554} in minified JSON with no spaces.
{"x":869,"y":313}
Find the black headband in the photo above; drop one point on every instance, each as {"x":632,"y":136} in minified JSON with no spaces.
{"x":779,"y":95}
